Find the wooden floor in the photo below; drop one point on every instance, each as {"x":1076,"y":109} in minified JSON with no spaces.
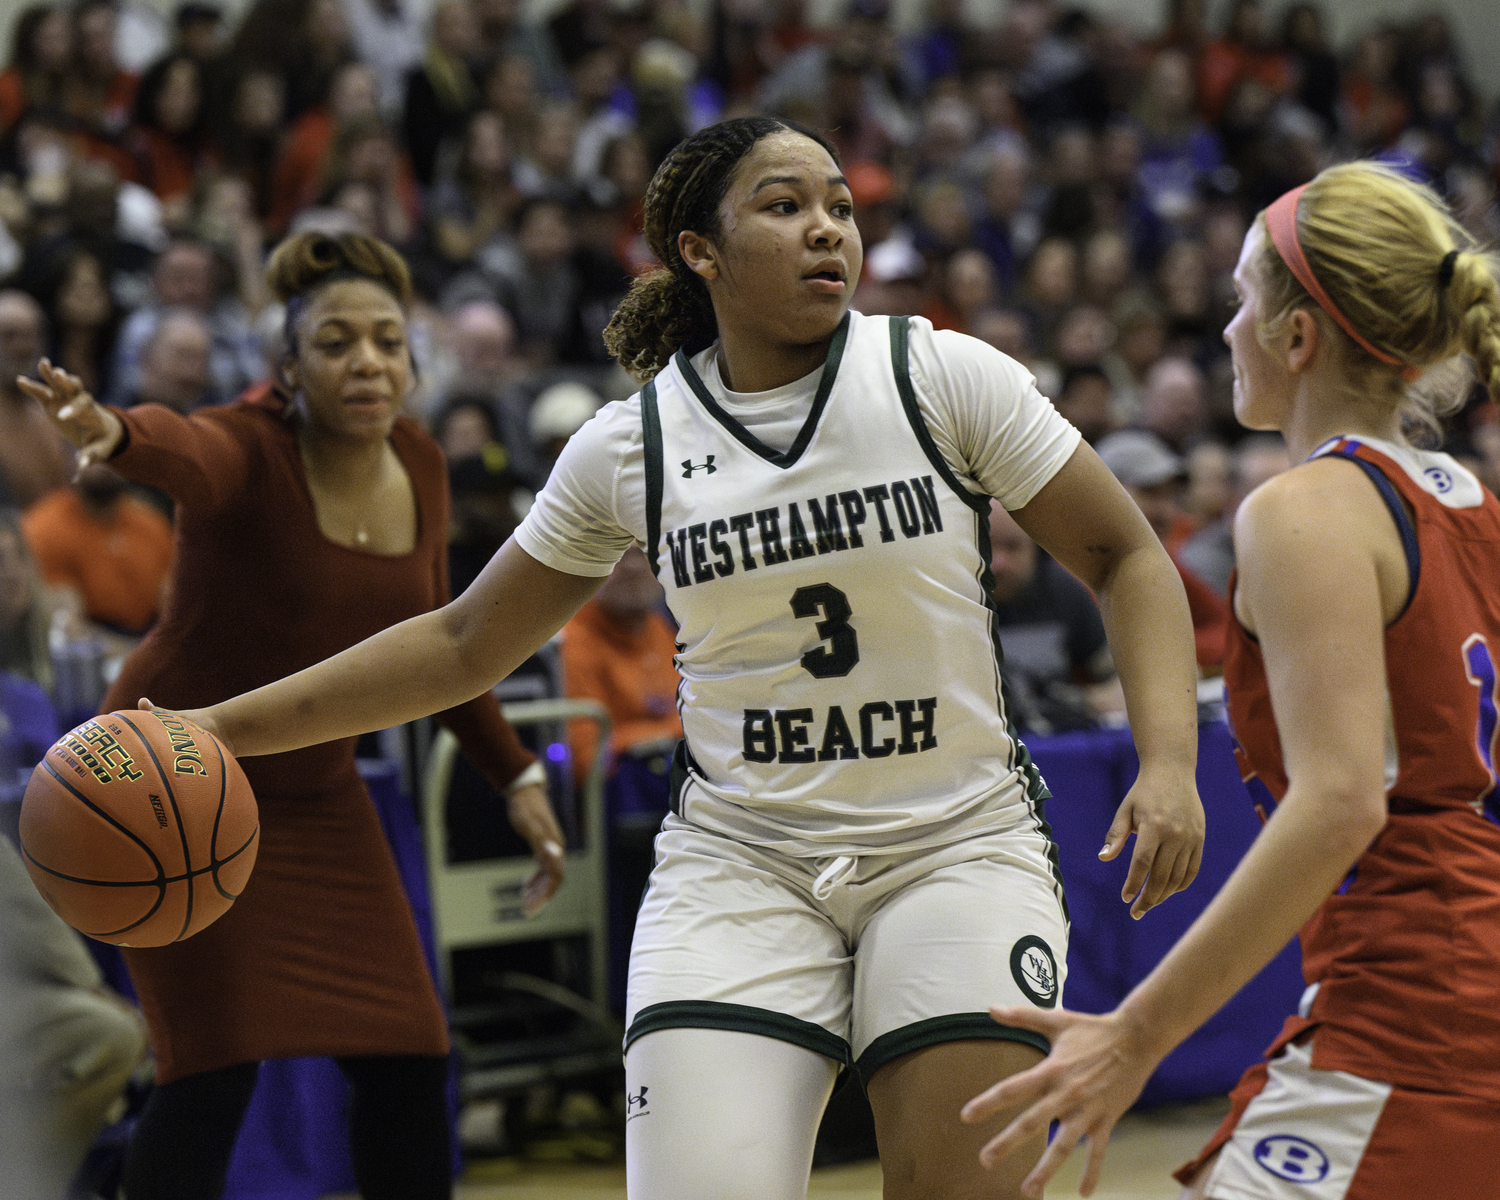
{"x":1145,"y":1148}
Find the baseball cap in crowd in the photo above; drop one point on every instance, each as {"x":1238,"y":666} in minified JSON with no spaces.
{"x":1140,"y":459}
{"x":561,"y":410}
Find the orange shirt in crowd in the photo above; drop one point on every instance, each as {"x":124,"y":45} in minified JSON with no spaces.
{"x":119,"y":566}
{"x":629,"y":672}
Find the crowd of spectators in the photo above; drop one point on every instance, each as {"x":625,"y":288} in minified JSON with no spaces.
{"x":1069,"y":189}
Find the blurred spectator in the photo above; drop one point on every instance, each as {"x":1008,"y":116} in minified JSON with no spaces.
{"x":1316,"y":69}
{"x":170,"y":136}
{"x":476,"y":198}
{"x":544,"y":166}
{"x":1084,"y":399}
{"x":24,"y":615}
{"x":249,"y":138}
{"x":1057,"y":667}
{"x":618,"y":650}
{"x":488,"y":502}
{"x":441,"y":91}
{"x":99,"y":90}
{"x":1140,"y":339}
{"x":1105,"y":269}
{"x":387,"y":35}
{"x":1245,"y":54}
{"x":1173,"y":407}
{"x":1179,"y":152}
{"x":1373,"y":108}
{"x":323,"y":44}
{"x":367,"y":156}
{"x":1210,"y":483}
{"x":1008,"y":229}
{"x":504,"y":34}
{"x":83,"y":317}
{"x":33,"y":459}
{"x":559,"y":413}
{"x":103,"y":544}
{"x":174,"y":367}
{"x":532,"y":277}
{"x":41,"y":50}
{"x":300,"y":171}
{"x":189,"y":275}
{"x":1051,"y":286}
{"x":967,"y":288}
{"x":198,"y":25}
{"x":1209,"y":553}
{"x":1154,"y":477}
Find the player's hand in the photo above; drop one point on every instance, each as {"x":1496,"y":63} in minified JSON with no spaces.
{"x":1166,"y":816}
{"x":1097,"y":1068}
{"x":83,"y":421}
{"x":531,"y":816}
{"x":203,"y":718}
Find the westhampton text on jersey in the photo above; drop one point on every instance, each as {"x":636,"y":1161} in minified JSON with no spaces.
{"x":705,"y":551}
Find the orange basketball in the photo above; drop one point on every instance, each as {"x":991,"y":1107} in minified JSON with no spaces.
{"x":139,"y":828}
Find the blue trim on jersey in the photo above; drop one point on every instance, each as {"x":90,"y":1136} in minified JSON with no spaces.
{"x":776,"y":458}
{"x":1397,"y":508}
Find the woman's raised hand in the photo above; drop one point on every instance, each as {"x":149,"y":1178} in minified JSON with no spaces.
{"x":94,"y":429}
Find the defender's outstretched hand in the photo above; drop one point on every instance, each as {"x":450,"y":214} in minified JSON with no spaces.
{"x":1097,"y":1068}
{"x":78,"y":416}
{"x":1166,"y":817}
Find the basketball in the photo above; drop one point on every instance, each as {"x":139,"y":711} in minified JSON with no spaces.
{"x":139,"y":828}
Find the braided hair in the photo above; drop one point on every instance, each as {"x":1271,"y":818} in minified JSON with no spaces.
{"x":670,"y":308}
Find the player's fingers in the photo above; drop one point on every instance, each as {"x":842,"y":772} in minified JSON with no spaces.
{"x":1098,"y":1142}
{"x":1142,"y":863}
{"x":1195,"y":861}
{"x":146,"y":704}
{"x":1118,"y":833}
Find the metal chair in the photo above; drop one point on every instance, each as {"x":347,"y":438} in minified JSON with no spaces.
{"x":531,"y":1030}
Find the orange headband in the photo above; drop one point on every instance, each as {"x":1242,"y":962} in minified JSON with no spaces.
{"x":1281,"y":223}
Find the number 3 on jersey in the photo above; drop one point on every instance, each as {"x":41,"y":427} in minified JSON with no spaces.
{"x":841,"y":654}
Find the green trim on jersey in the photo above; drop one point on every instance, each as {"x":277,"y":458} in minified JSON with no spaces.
{"x":901,"y":367}
{"x":777,"y":458}
{"x":739,"y":1018}
{"x":955,"y":1027}
{"x":651,"y":447}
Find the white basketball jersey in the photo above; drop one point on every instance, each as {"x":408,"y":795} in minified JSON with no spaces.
{"x":839,"y":658}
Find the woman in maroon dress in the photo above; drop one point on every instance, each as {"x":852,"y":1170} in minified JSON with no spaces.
{"x":304,"y":524}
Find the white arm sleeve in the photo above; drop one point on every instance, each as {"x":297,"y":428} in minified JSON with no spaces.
{"x":594,"y":504}
{"x":1000,"y":436}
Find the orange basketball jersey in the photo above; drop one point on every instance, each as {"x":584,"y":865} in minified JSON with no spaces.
{"x":1406,"y":954}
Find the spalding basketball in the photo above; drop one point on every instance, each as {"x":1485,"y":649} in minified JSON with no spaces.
{"x":139,"y":828}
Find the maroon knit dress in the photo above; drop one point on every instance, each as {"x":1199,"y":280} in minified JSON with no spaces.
{"x":319,"y":955}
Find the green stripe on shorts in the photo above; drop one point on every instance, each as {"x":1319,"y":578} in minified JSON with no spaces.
{"x":739,"y":1018}
{"x":955,"y":1027}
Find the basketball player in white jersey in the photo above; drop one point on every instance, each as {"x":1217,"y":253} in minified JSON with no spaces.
{"x":856,"y":865}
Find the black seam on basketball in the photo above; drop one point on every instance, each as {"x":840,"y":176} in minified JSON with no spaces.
{"x":161,"y":873}
{"x":213,"y":841}
{"x":187,"y":854}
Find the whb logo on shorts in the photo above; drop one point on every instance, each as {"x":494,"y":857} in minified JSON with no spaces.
{"x":1291,"y":1158}
{"x":1035,"y":970}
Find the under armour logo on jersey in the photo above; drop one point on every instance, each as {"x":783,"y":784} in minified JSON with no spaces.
{"x":689,"y":466}
{"x":638,"y":1099}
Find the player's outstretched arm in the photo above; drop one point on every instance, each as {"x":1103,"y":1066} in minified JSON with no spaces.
{"x":91,"y":427}
{"x":1086,"y":520}
{"x":421,"y":666}
{"x":1308,"y":579}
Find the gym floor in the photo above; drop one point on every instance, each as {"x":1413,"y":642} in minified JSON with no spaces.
{"x":1146,"y":1146}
